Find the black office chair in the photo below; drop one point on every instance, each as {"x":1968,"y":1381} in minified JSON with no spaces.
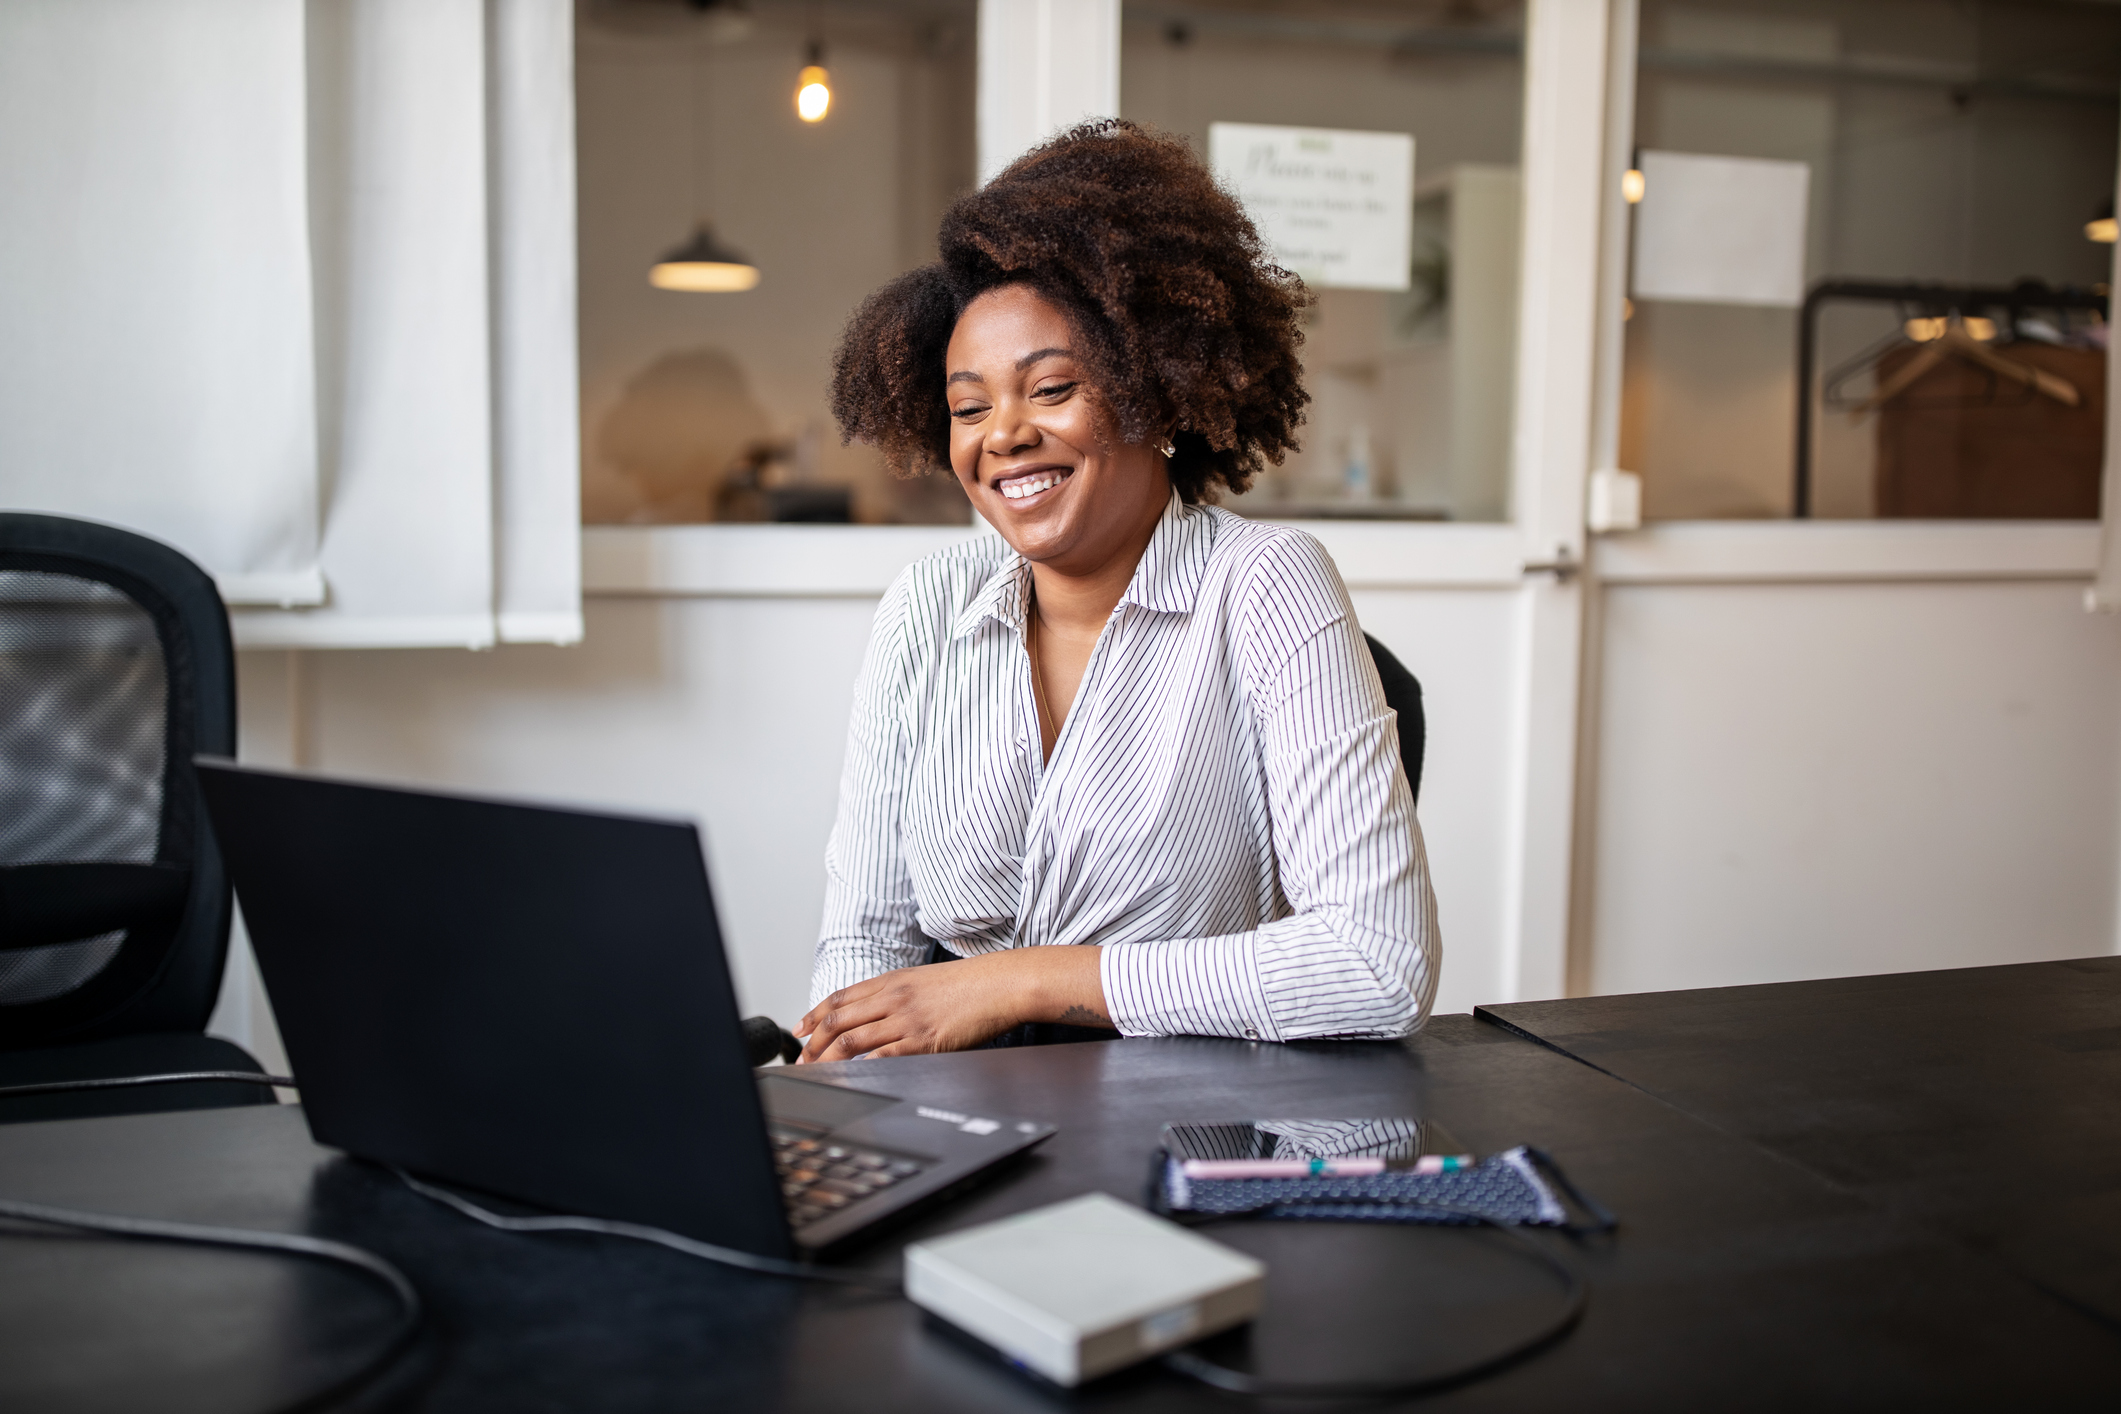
{"x":1403,"y":695}
{"x":115,"y":667}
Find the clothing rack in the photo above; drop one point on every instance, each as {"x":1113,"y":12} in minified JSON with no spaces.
{"x":1918,"y":299}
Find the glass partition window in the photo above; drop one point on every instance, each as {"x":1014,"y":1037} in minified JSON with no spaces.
{"x":1869,"y":256}
{"x":1310,"y":111}
{"x":706,"y":400}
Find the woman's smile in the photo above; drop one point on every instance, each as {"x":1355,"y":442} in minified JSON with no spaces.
{"x":1029,"y":486}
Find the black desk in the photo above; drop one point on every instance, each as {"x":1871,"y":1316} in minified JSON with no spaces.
{"x":1741,"y":1280}
{"x":1983,"y":1102}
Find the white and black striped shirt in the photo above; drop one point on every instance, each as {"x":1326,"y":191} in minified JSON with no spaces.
{"x":1225,"y":811}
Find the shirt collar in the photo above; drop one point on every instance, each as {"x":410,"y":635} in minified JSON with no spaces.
{"x":1165,"y":582}
{"x":1168,"y":577}
{"x":1001,"y":598}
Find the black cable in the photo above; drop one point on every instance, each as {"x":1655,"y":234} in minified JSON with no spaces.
{"x":410,"y":1312}
{"x":1575,"y":1294}
{"x":706,"y":1251}
{"x":119,"y":1082}
{"x":1575,"y":1297}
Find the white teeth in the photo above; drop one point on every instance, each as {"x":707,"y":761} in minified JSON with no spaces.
{"x":1017,"y":490}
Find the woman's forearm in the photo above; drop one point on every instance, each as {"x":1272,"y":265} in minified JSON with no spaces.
{"x":1062,"y":984}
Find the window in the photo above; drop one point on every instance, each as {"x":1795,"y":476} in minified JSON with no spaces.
{"x":1412,"y":386}
{"x":1868,"y":273}
{"x":712,"y":406}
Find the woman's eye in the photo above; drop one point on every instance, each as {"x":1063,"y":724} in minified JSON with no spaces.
{"x":968,"y":411}
{"x":1053,"y":390}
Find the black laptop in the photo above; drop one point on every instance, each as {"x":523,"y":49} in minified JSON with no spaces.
{"x":534,"y":1002}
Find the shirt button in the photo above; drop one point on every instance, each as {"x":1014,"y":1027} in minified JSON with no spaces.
{"x":1250,"y":1034}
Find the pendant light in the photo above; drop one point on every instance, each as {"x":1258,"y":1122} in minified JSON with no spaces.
{"x":813,"y":86}
{"x":703,"y":265}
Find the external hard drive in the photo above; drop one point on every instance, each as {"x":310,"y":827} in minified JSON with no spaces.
{"x":1084,"y":1287}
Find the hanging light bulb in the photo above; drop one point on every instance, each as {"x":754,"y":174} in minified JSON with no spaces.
{"x":813,"y":86}
{"x":703,"y":265}
{"x":1631,"y":185}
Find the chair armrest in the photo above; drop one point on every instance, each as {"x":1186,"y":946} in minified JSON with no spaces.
{"x":42,"y":904}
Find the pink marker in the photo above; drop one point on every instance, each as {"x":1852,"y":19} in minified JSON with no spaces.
{"x":1443,"y":1163}
{"x":1318,"y":1168}
{"x":1282,"y":1168}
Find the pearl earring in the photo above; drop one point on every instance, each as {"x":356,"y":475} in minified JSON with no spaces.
{"x":1167,"y":448}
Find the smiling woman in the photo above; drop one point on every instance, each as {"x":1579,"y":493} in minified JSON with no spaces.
{"x":1132,"y":763}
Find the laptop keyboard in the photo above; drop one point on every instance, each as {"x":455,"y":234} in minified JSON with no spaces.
{"x":820,"y":1178}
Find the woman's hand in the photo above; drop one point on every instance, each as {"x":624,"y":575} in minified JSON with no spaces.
{"x":956,"y":1006}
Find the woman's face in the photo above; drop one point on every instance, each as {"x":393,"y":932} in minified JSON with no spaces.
{"x":1034,"y":448}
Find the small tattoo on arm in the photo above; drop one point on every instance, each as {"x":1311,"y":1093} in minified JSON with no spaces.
{"x":1079,"y":1015}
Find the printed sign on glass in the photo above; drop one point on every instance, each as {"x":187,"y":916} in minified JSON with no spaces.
{"x":1336,"y":207}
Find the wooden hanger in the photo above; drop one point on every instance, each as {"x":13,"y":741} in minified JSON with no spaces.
{"x":1955,"y":340}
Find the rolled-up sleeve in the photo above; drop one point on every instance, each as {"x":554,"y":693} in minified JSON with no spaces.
{"x":1358,"y":953}
{"x":869,"y":923}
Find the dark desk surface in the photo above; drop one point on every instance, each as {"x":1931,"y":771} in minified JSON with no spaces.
{"x":1740,"y":1280}
{"x":1983,"y":1102}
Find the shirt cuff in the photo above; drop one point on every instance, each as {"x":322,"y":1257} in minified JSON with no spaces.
{"x":1187,"y":987}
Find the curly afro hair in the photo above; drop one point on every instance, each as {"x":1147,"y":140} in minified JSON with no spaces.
{"x":1184,"y":320}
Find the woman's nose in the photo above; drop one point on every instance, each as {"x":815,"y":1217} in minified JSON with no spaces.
{"x":1009,"y":431}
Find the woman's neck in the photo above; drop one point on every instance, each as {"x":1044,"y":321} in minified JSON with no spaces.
{"x":1075,"y":606}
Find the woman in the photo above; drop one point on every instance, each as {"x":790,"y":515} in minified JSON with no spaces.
{"x":1130,"y":762}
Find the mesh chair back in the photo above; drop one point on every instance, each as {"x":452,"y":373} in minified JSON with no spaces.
{"x":115,"y":667}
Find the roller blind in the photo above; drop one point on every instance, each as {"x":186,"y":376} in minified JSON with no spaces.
{"x":155,"y":322}
{"x":292,"y":287}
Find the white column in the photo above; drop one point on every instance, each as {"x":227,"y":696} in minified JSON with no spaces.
{"x":1565,"y":156}
{"x":1044,"y":65}
{"x":536,"y":385}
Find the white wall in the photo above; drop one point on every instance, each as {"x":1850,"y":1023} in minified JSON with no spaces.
{"x":1449,"y":639}
{"x":1847,"y":776}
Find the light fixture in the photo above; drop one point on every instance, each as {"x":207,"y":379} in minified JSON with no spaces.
{"x":1631,"y":185}
{"x":813,"y":86}
{"x":703,"y":265}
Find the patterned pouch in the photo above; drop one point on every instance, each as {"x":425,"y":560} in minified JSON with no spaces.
{"x":1520,"y":1187}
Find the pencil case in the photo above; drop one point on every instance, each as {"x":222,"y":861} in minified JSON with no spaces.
{"x":1520,"y":1187}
